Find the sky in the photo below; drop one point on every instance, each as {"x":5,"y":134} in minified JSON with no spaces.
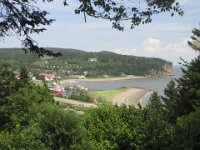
{"x":166,"y":37}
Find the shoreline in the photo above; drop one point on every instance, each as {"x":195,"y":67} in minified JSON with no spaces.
{"x":102,"y":79}
{"x":145,"y":99}
{"x":132,"y":96}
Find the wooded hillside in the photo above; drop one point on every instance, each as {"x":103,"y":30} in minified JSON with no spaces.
{"x":77,"y":62}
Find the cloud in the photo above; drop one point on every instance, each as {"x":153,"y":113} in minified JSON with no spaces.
{"x":170,"y":51}
{"x":151,"y":44}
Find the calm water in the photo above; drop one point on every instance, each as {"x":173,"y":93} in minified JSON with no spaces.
{"x":154,"y":83}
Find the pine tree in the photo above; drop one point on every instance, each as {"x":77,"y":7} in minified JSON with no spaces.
{"x":189,"y":88}
{"x":195,"y":43}
{"x":24,"y":77}
{"x":170,"y":100}
{"x":185,"y":97}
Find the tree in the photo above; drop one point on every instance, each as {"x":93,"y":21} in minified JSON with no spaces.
{"x":105,"y":128}
{"x":24,"y":76}
{"x":23,"y":18}
{"x":8,"y":86}
{"x":170,"y":100}
{"x":113,"y":127}
{"x":187,"y":132}
{"x":185,"y":97}
{"x":28,"y":138}
{"x":157,"y":130}
{"x":194,"y":44}
{"x":60,"y":129}
{"x":189,"y":88}
{"x":189,"y":83}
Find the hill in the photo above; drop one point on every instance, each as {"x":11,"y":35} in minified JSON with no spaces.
{"x":91,"y":64}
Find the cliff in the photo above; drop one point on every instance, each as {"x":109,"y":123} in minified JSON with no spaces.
{"x":167,"y":70}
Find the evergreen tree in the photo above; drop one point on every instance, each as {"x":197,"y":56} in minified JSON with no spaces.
{"x":189,"y":89}
{"x":170,"y":100}
{"x":185,"y":97}
{"x":24,"y":76}
{"x":194,"y":44}
{"x":187,"y":132}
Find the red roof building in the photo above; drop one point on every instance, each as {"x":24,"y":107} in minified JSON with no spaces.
{"x":47,"y":75}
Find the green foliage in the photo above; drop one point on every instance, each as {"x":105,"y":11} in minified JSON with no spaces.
{"x":170,"y":101}
{"x":156,"y":123}
{"x":108,"y":94}
{"x":60,"y":130}
{"x":23,"y":18}
{"x":24,"y":76}
{"x":28,"y":138}
{"x":194,"y":44}
{"x":19,"y":105}
{"x":112,"y":127}
{"x":188,"y":132}
{"x":31,"y":120}
{"x":119,"y":12}
{"x":185,"y":97}
{"x":189,"y":88}
{"x":8,"y":85}
{"x":105,"y":127}
{"x":7,"y":81}
{"x":76,"y":62}
{"x":79,"y":94}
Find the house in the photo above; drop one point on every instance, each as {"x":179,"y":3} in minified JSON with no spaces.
{"x":92,"y":60}
{"x":47,"y":77}
{"x":17,"y":75}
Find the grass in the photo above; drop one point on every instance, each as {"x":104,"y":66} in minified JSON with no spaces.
{"x":66,"y":105}
{"x":108,"y":94}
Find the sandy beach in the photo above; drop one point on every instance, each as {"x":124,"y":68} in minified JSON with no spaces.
{"x":102,"y":79}
{"x":130,"y":97}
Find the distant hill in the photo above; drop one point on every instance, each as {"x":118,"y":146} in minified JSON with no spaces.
{"x":78,"y":62}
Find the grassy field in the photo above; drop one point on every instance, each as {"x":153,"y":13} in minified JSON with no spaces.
{"x":108,"y":94}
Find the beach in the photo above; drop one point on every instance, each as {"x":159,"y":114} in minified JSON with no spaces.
{"x":102,"y":79}
{"x":131,"y":96}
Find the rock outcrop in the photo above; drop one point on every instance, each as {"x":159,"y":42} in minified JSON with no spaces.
{"x":167,"y":70}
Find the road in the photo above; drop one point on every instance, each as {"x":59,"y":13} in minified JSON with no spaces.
{"x":74,"y":102}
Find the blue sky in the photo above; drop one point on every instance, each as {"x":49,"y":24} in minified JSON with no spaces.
{"x":166,"y":37}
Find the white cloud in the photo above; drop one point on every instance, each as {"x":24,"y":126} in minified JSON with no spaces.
{"x":151,"y":44}
{"x":169,"y":51}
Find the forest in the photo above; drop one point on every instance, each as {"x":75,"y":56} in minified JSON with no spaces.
{"x":77,"y":62}
{"x":31,"y":119}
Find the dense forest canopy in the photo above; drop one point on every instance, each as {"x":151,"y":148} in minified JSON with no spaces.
{"x":94,"y":64}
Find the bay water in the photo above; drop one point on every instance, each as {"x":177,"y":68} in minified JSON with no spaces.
{"x":157,"y":84}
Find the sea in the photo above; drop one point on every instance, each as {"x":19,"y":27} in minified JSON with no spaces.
{"x":156,"y":84}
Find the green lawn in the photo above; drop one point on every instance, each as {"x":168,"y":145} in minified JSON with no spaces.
{"x":108,"y":94}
